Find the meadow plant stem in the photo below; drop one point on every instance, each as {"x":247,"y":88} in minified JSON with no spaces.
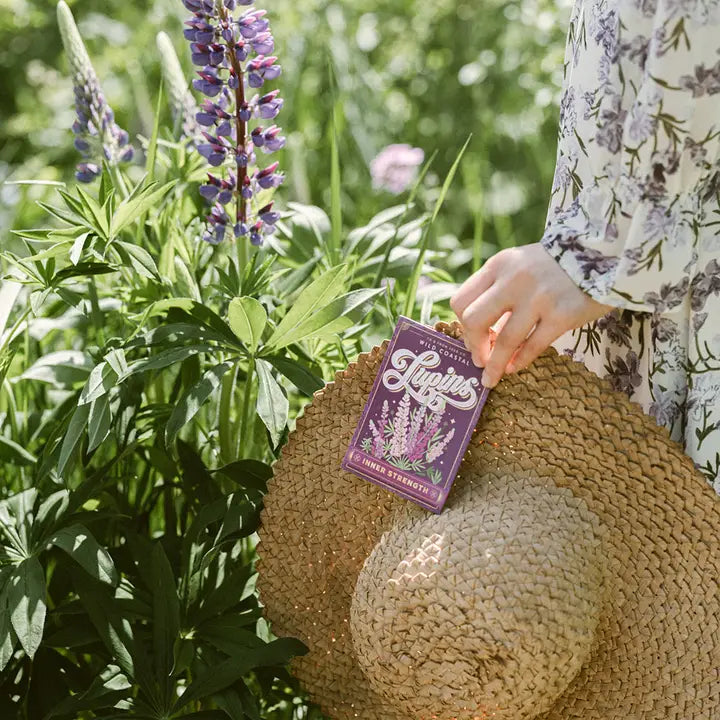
{"x":26,"y":351}
{"x":120,"y":183}
{"x":245,"y":433}
{"x":478,"y":226}
{"x":335,"y":191}
{"x":242,"y":255}
{"x":398,"y":225}
{"x":225,"y":424}
{"x":388,"y":248}
{"x":95,"y":312}
{"x":472,"y":172}
{"x":11,"y":333}
{"x":159,"y":389}
{"x":12,"y":414}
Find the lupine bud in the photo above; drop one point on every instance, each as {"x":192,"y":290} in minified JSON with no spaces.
{"x":96,"y":134}
{"x":182,"y":104}
{"x":87,"y":172}
{"x":234,"y":54}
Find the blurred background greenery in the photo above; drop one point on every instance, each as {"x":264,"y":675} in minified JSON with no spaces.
{"x":408,"y":71}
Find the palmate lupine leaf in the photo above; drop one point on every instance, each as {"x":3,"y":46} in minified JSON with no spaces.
{"x":315,"y":296}
{"x":277,"y":652}
{"x":138,"y":203}
{"x":304,"y":379}
{"x":115,"y":631}
{"x":79,"y":543}
{"x":249,"y":474}
{"x":12,"y":452}
{"x":26,"y":603}
{"x":321,"y":310}
{"x":272,"y":403}
{"x":17,"y":514}
{"x":198,"y":314}
{"x":247,"y":318}
{"x":193,"y":399}
{"x":107,"y":688}
{"x":8,"y":638}
{"x":166,"y":620}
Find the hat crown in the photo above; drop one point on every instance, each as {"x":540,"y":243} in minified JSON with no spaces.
{"x":487,"y":610}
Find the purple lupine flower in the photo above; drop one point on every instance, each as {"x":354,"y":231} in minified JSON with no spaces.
{"x":415,"y":425}
{"x":231,"y":45}
{"x":97,"y":135}
{"x":437,"y":449}
{"x":398,"y":440}
{"x":395,"y":167}
{"x":432,"y":425}
{"x":379,"y":439}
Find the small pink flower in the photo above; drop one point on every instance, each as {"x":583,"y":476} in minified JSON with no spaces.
{"x":395,"y":167}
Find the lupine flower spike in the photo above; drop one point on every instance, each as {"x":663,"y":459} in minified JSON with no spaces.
{"x":233,"y":48}
{"x":96,"y":133}
{"x":182,"y":104}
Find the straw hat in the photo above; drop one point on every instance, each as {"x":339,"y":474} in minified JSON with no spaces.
{"x":573,"y":572}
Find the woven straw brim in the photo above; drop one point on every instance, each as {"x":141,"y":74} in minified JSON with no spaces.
{"x":656,"y":648}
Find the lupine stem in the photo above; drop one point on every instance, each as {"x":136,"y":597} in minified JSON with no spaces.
{"x":96,"y":313}
{"x":240,"y":125}
{"x":242,"y":255}
{"x":245,"y":428}
{"x":225,"y":425}
{"x":119,"y":181}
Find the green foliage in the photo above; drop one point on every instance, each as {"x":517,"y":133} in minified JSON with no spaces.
{"x":369,"y":73}
{"x":148,"y":381}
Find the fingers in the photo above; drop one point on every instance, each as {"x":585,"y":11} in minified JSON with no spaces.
{"x":475,"y":285}
{"x":500,"y":324}
{"x":478,"y":318}
{"x":540,"y":340}
{"x":515,"y":330}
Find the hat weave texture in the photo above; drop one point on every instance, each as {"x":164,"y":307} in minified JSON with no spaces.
{"x":573,"y":572}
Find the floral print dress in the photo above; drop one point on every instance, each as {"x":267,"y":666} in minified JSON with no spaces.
{"x":634,"y":217}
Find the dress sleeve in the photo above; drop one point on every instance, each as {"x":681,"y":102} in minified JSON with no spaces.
{"x":637,"y":149}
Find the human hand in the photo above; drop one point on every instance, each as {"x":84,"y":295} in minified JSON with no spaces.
{"x":529,"y":299}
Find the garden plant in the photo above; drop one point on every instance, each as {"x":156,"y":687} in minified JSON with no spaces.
{"x":180,"y":278}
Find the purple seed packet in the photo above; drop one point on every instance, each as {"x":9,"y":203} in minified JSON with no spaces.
{"x":419,"y":417}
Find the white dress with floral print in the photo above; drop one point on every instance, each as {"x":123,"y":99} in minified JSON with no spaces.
{"x":635,"y":212}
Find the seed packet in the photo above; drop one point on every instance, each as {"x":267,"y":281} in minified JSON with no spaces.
{"x":419,"y":417}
